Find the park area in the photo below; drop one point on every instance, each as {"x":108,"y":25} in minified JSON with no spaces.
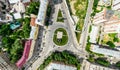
{"x":78,"y":8}
{"x":65,"y":57}
{"x":60,"y":37}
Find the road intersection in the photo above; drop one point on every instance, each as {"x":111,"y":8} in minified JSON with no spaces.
{"x":45,"y":41}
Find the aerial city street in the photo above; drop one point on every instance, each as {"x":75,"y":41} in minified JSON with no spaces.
{"x":59,"y":34}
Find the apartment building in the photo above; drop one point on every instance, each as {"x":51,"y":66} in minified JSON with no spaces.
{"x":99,"y":17}
{"x":109,"y":19}
{"x":89,"y":66}
{"x":107,"y":16}
{"x":116,"y":5}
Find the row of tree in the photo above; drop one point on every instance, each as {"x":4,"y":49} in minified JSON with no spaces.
{"x":103,"y":61}
{"x":64,"y":57}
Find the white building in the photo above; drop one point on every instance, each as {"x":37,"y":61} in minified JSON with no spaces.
{"x":108,"y":52}
{"x":93,"y":34}
{"x":58,"y":66}
{"x":15,"y":1}
{"x":18,"y":7}
{"x":89,"y":66}
{"x":17,"y":15}
{"x":42,"y":12}
{"x":116,"y":5}
{"x":59,"y":35}
{"x":112,"y":28}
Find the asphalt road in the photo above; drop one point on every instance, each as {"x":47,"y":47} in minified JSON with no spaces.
{"x":47,"y":43}
{"x":84,"y":34}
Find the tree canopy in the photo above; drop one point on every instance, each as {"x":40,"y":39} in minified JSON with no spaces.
{"x":33,"y":8}
{"x":16,"y":50}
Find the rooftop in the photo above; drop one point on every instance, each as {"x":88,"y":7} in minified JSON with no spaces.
{"x":33,"y":18}
{"x":25,"y":55}
{"x":15,"y":1}
{"x":18,"y":7}
{"x":108,"y":52}
{"x":59,"y":34}
{"x":57,"y":66}
{"x":42,"y":12}
{"x":89,"y":66}
{"x":112,"y":14}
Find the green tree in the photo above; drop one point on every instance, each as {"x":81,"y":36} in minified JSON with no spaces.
{"x":91,"y":58}
{"x":116,"y":39}
{"x":102,"y":61}
{"x":26,"y":27}
{"x":16,"y":50}
{"x":118,"y":64}
{"x":33,"y":8}
{"x":7,"y":42}
{"x":111,"y":44}
{"x":5,"y":30}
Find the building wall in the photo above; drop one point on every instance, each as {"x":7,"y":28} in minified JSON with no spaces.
{"x":99,"y":17}
{"x":89,"y":66}
{"x":112,"y":28}
{"x":116,"y":5}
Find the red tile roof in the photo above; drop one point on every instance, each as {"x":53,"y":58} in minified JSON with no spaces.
{"x":32,"y":22}
{"x":25,"y":55}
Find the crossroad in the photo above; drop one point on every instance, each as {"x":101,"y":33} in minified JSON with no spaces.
{"x":47,"y":44}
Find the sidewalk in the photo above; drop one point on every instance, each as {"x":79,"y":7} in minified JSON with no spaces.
{"x":33,"y":43}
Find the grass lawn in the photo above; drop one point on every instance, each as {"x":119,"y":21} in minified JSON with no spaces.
{"x":110,"y":39}
{"x":79,"y":28}
{"x":60,"y":17}
{"x":64,"y":39}
{"x":78,"y":36}
{"x":81,"y":8}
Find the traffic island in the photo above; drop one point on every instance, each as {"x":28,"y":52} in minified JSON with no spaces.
{"x":60,"y":37}
{"x":60,"y":17}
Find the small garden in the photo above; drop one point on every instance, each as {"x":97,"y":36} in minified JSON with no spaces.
{"x":64,"y":40}
{"x":66,"y":57}
{"x":81,"y":8}
{"x":110,"y":40}
{"x":60,"y":16}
